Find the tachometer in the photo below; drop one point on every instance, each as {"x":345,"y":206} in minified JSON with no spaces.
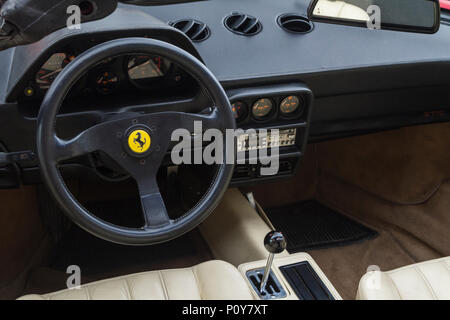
{"x":143,"y":69}
{"x":50,"y":70}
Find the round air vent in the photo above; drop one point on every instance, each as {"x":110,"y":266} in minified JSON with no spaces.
{"x":295,"y":23}
{"x":243,"y":24}
{"x":196,"y":30}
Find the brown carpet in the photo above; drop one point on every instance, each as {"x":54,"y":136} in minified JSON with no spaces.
{"x":404,"y":166}
{"x":408,"y":234}
{"x":344,"y":266}
{"x":422,"y":229}
{"x":396,"y":182}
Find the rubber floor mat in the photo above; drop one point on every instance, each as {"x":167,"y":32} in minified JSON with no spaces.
{"x":310,"y":225}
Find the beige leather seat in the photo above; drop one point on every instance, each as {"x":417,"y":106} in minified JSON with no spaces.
{"x":212,"y":280}
{"x":428,"y":280}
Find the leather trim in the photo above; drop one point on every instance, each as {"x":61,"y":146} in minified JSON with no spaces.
{"x":212,"y":280}
{"x":429,"y":280}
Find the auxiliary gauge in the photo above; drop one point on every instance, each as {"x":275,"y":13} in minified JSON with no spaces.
{"x":262,"y":108}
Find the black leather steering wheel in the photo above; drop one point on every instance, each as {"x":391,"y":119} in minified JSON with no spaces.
{"x":151,"y":134}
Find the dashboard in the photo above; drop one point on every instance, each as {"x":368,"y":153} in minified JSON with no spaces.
{"x":325,"y":82}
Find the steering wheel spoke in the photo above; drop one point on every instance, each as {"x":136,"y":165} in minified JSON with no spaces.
{"x":90,"y":140}
{"x":153,"y":206}
{"x":187,"y":121}
{"x":67,"y":149}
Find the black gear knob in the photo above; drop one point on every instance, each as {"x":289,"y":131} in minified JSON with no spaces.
{"x":275,"y":242}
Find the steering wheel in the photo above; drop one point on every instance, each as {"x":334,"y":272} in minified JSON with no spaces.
{"x":138,"y":143}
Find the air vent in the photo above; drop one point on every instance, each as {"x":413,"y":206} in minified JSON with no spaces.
{"x":295,"y":23}
{"x":243,"y":24}
{"x":196,"y":30}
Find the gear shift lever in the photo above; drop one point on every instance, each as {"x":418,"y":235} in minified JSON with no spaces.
{"x":275,"y":243}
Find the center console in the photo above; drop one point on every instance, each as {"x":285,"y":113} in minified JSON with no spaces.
{"x":285,"y":107}
{"x":294,"y":277}
{"x":239,"y":232}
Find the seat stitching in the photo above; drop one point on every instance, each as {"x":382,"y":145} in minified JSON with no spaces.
{"x":163,"y":283}
{"x":128,"y":289}
{"x":428,"y":284}
{"x":86,"y":291}
{"x":446,"y":264}
{"x":395,"y":286}
{"x":197,"y":282}
{"x":424,"y":263}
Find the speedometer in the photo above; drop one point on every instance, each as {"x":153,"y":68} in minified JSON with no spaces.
{"x":50,"y":69}
{"x":144,"y":69}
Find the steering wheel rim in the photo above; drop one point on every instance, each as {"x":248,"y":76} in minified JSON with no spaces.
{"x":51,"y":149}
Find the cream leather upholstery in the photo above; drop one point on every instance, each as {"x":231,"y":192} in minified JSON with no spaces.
{"x":428,"y":280}
{"x":212,"y":280}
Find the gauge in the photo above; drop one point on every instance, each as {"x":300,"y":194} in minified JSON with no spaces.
{"x":50,"y":70}
{"x":290,"y":105}
{"x":106,"y":82}
{"x":143,"y":69}
{"x":262,"y":108}
{"x":239,"y":110}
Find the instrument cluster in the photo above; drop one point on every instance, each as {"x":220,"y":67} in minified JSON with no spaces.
{"x":139,"y":72}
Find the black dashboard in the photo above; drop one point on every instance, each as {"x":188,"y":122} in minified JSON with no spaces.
{"x":326,"y":82}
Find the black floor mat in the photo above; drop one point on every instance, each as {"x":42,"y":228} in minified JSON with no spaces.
{"x":310,"y":225}
{"x":100,"y":258}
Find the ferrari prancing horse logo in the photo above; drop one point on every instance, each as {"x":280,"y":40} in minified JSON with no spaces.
{"x":139,"y":141}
